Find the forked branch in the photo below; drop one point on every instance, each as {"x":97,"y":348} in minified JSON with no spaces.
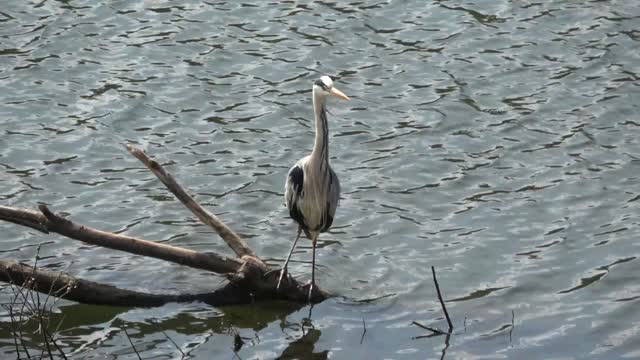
{"x":250,"y":279}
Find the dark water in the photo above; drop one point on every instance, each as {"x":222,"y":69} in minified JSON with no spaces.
{"x":495,"y":140}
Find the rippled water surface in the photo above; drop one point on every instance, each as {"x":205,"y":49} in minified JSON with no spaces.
{"x":495,"y":140}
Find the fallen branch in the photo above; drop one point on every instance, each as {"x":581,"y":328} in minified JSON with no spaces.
{"x":229,"y":236}
{"x":24,"y":217}
{"x":250,"y":279}
{"x":47,"y":222}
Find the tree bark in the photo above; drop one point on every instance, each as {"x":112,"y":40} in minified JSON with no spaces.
{"x":68,"y":287}
{"x":250,"y":279}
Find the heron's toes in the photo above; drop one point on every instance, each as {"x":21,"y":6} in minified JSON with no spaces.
{"x":311,"y":286}
{"x":267,"y":273}
{"x":283,"y":274}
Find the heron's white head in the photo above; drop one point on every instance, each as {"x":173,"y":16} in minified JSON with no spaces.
{"x":324,"y":87}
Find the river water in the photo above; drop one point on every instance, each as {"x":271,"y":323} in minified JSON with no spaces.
{"x":497,"y":141}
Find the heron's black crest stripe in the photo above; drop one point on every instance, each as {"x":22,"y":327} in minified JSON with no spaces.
{"x":322,"y":84}
{"x":296,"y":177}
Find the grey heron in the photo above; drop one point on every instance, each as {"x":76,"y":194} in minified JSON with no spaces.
{"x":312,"y":189}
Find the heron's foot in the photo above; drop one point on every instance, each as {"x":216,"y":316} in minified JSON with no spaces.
{"x":311,"y":286}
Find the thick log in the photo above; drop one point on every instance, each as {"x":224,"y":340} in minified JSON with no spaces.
{"x":68,"y":287}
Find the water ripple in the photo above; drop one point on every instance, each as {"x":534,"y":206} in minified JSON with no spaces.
{"x":493,"y":140}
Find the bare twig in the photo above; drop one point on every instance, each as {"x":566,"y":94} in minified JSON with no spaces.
{"x":513,"y":325}
{"x":31,"y":308}
{"x":446,"y":346}
{"x":58,"y":329}
{"x":232,"y":239}
{"x":9,"y":309}
{"x":56,"y":345}
{"x":16,"y":328}
{"x":444,"y":308}
{"x":364,"y":330}
{"x":371,"y":300}
{"x":435,"y":331}
{"x":44,"y":337}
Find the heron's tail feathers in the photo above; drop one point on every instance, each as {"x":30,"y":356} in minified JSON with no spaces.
{"x":308,"y":234}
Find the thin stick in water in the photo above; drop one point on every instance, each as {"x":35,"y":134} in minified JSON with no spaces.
{"x":444,"y":308}
{"x":513,"y":324}
{"x":364,"y":330}
{"x":433,"y":330}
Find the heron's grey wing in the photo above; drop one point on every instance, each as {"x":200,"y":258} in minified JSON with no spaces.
{"x":293,"y":192}
{"x":333,"y":200}
{"x":334,"y":192}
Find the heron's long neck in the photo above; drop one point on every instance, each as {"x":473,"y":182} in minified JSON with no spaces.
{"x":320,"y":151}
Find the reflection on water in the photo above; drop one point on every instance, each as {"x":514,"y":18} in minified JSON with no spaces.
{"x":494,"y":140}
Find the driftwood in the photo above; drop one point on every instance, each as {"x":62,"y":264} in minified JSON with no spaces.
{"x":249,"y":278}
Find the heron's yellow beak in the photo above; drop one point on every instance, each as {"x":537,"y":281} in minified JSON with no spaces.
{"x":339,"y":94}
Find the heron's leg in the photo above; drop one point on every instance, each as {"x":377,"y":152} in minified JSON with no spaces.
{"x":313,"y":265}
{"x":283,"y":270}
